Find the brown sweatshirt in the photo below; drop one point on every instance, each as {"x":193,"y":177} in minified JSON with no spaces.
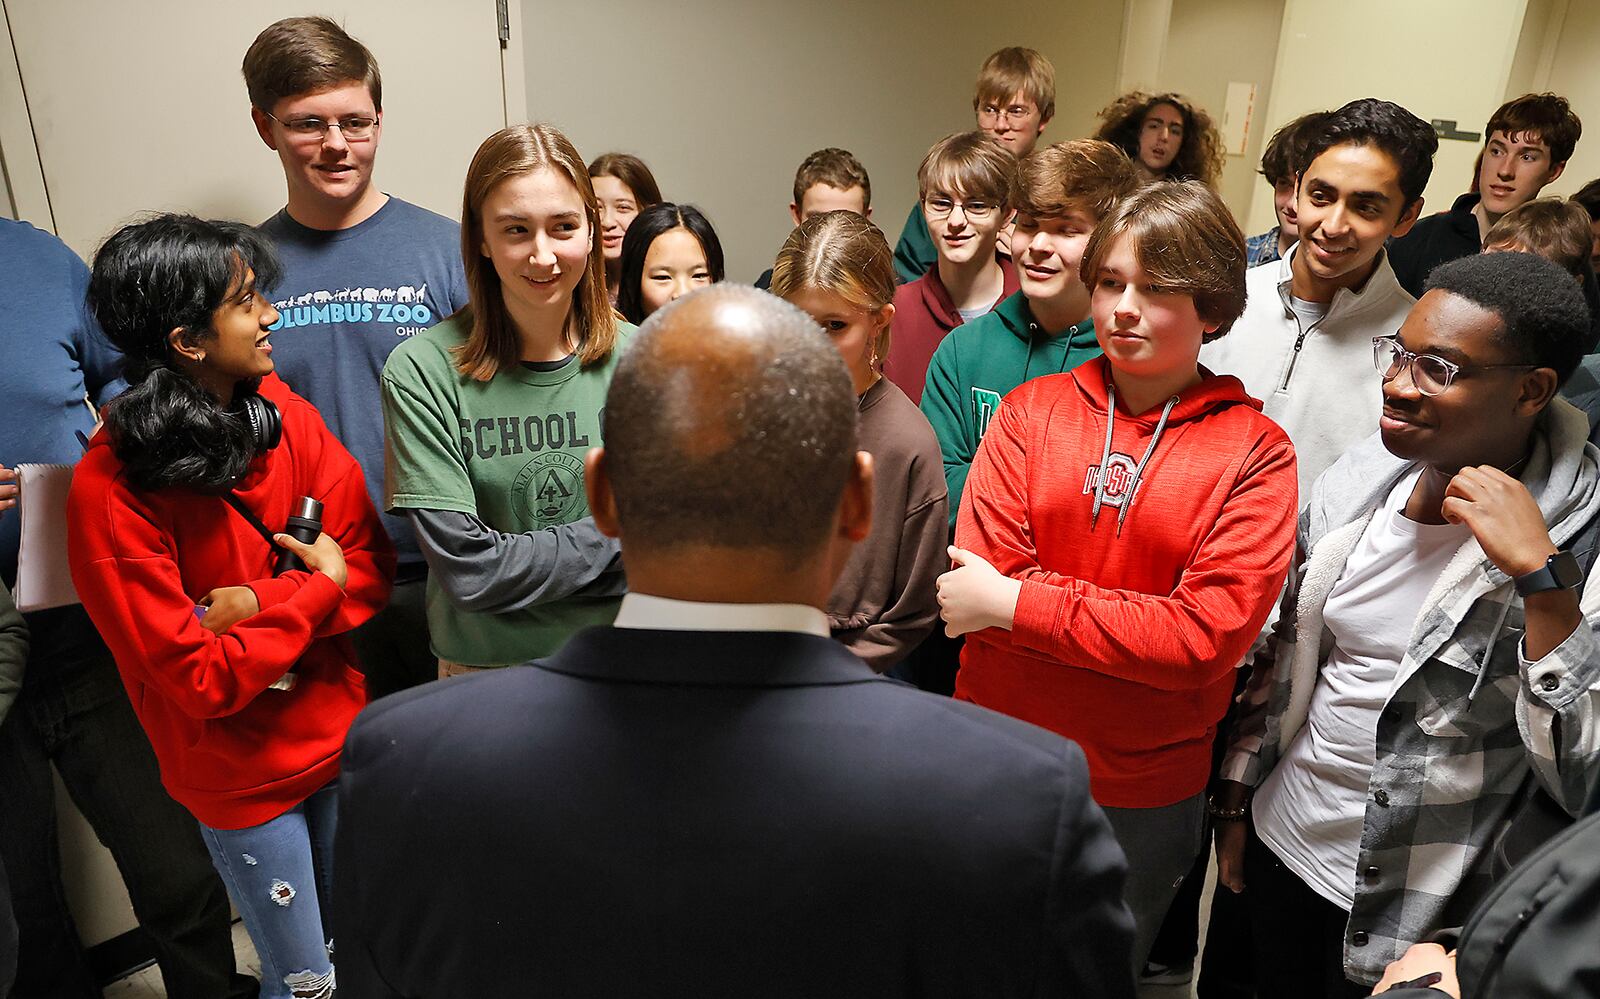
{"x":885,"y":603}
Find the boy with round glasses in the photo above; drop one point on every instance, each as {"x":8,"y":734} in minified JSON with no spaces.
{"x":1436,"y":658}
{"x":965,"y":186}
{"x":1013,"y":100}
{"x":362,"y":271}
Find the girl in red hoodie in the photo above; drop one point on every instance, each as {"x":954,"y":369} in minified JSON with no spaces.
{"x":1124,"y":533}
{"x":244,"y":679}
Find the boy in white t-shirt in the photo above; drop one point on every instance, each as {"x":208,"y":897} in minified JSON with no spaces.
{"x":1463,"y":660}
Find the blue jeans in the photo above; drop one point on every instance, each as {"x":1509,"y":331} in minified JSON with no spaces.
{"x":280,"y":875}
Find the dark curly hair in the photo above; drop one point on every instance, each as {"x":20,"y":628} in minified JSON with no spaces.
{"x":1543,"y":317}
{"x":650,"y":223}
{"x":150,"y":277}
{"x":1200,"y":156}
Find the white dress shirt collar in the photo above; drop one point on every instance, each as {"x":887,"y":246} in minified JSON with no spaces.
{"x":640,"y":610}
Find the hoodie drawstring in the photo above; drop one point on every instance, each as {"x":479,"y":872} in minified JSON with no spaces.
{"x":1488,"y":650}
{"x":1066,"y":353}
{"x":1105,"y":457}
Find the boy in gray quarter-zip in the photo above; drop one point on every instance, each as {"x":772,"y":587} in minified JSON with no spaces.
{"x":1304,"y":344}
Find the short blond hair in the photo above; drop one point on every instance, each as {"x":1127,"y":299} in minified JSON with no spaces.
{"x":971,"y":164}
{"x":1016,"y":70}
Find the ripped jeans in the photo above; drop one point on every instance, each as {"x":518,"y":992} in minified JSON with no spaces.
{"x":280,"y":876}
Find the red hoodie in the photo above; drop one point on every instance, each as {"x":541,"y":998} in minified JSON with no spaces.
{"x":1125,"y":640}
{"x":232,"y":751}
{"x":923,"y":314}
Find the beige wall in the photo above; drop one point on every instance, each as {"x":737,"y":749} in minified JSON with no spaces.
{"x":1381,"y":48}
{"x":23,"y":190}
{"x":1247,"y":30}
{"x":724,"y":101}
{"x":1574,"y":72}
{"x":1144,"y":43}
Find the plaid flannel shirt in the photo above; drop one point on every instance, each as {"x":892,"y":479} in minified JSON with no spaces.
{"x":1261,"y":249}
{"x":1468,"y":720}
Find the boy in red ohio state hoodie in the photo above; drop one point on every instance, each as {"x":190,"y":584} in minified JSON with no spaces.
{"x":1125,"y":531}
{"x":244,"y":678}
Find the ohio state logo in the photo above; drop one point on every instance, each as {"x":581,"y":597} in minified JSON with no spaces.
{"x":1118,"y":473}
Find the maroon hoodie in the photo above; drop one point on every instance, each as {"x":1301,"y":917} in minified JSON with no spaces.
{"x":923,"y":314}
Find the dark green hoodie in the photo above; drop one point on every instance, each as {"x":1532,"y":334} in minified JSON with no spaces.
{"x":914,"y":254}
{"x":978,"y":364}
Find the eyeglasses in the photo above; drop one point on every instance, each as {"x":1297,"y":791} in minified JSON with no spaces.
{"x":1429,"y":373}
{"x":940,"y":207}
{"x":355,"y":128}
{"x":1016,"y":114}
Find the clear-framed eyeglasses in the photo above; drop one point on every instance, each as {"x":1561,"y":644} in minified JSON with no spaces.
{"x":990,"y":115}
{"x":354,"y":128}
{"x":1430,"y":373}
{"x":939,"y":207}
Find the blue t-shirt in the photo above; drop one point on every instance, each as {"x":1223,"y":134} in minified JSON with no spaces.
{"x":53,"y":359}
{"x":349,"y":297}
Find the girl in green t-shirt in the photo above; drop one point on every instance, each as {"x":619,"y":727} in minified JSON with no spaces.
{"x":489,"y":414}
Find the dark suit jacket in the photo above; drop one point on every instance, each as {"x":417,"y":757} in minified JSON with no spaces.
{"x":717,"y":814}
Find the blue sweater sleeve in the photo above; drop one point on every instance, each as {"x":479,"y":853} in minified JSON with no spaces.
{"x":99,"y":361}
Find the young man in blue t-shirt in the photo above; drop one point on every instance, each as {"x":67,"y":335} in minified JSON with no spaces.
{"x":362,"y":271}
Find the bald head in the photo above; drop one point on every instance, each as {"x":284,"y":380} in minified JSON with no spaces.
{"x":730,"y":422}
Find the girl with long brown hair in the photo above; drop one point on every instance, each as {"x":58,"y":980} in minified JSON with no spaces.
{"x":488,"y":415}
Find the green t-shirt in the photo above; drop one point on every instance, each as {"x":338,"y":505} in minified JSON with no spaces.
{"x":508,"y":451}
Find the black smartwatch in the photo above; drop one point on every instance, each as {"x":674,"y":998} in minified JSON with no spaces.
{"x":1560,"y":572}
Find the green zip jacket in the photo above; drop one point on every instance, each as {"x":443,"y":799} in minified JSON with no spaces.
{"x":914,"y":254}
{"x":978,"y":364}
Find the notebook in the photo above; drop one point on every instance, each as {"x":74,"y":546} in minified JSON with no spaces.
{"x":43,"y":580}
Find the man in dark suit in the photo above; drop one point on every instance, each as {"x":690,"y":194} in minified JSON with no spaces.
{"x":712,"y":797}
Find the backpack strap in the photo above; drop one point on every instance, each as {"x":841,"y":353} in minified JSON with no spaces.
{"x":233,"y":500}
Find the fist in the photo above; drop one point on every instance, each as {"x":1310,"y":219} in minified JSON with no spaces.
{"x":974,"y":595}
{"x":227,"y":606}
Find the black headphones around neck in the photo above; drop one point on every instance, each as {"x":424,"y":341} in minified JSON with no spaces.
{"x":266,"y":423}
